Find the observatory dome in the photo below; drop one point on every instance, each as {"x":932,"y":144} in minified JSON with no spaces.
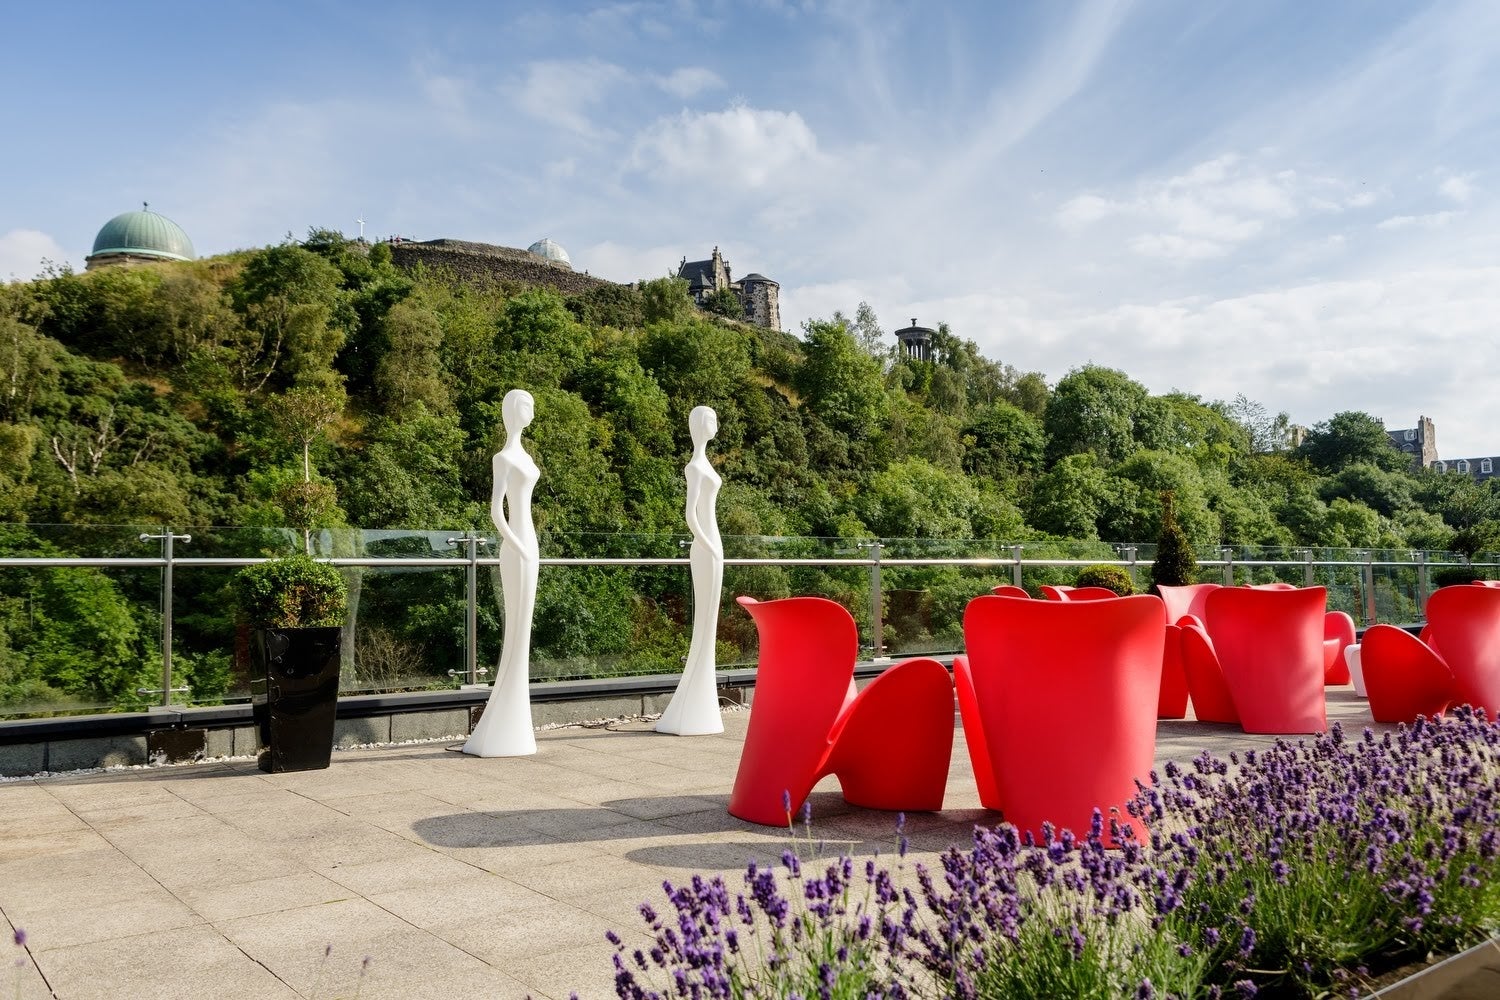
{"x":143,"y":235}
{"x":547,"y":250}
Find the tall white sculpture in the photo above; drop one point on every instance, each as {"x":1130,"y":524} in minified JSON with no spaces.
{"x":694,"y":708}
{"x":505,"y":729}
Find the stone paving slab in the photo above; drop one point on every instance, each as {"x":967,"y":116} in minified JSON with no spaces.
{"x":457,"y":876}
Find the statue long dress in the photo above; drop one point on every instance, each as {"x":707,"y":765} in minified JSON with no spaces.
{"x":505,"y":728}
{"x":694,"y":708}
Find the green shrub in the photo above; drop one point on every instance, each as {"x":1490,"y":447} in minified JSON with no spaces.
{"x":296,"y":592}
{"x":1448,"y":576}
{"x":1115,"y":578}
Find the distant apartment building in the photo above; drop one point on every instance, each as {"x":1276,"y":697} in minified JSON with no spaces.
{"x":1420,"y":442}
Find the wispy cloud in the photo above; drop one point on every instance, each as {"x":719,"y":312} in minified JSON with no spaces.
{"x":1457,"y":187}
{"x":1431,"y":220}
{"x":566,"y":92}
{"x":1211,"y":208}
{"x":689,"y":81}
{"x":724,"y":149}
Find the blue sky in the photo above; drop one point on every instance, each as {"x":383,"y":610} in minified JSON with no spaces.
{"x":1294,"y":201}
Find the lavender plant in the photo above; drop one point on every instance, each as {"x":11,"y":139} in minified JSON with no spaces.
{"x":1292,"y":872}
{"x":1300,"y":867}
{"x":1061,"y":918}
{"x":794,"y":935}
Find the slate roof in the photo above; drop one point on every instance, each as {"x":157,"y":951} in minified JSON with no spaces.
{"x":699,"y":273}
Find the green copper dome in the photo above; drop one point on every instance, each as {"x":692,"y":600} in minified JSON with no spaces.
{"x":143,"y":234}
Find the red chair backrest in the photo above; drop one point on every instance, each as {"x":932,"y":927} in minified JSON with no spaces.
{"x":1091,"y":594}
{"x":1186,"y":600}
{"x":1278,"y":585}
{"x":1486,"y":583}
{"x":1055,"y":592}
{"x":1067,"y":692}
{"x":806,"y":676}
{"x":1270,"y":646}
{"x":1465,"y":624}
{"x":1010,"y":590}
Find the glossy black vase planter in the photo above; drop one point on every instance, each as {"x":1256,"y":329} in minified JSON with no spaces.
{"x":294,"y":692}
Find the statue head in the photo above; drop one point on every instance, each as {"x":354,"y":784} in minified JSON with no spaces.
{"x":703,"y":424}
{"x":517,"y":410}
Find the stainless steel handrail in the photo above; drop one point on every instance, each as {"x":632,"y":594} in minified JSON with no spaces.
{"x":868,"y":555}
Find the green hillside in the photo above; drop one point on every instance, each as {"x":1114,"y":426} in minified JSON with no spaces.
{"x":314,"y":385}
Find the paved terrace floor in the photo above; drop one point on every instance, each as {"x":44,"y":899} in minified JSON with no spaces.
{"x":459,"y":877}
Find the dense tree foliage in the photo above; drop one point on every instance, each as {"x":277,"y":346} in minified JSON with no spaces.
{"x":312,"y":385}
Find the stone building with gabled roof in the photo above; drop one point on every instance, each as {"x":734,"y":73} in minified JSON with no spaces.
{"x":759,"y":296}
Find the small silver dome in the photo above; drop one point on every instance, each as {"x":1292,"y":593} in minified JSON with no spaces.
{"x":547,"y":250}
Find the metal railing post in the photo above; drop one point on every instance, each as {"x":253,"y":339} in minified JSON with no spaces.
{"x":877,"y":601}
{"x":1130,"y":557}
{"x":471,"y":543}
{"x":1228,"y":555}
{"x":1369,"y":574}
{"x":1307,"y":571}
{"x":1422,"y":584}
{"x":166,"y":538}
{"x":1015,"y":571}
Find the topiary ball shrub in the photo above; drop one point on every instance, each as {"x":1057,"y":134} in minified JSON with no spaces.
{"x":296,"y":592}
{"x":1114,"y":578}
{"x":1450,"y":576}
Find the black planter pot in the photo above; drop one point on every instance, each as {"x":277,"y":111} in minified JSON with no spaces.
{"x":294,"y":691}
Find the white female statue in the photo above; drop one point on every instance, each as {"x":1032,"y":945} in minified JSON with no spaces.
{"x":505,"y":729}
{"x":694,"y":708}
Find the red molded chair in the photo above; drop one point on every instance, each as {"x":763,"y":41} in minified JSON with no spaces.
{"x":1403,"y":677}
{"x":1338,"y":633}
{"x":1465,"y":624}
{"x":1269,"y":643}
{"x":1277,"y":585}
{"x":1059,"y":704}
{"x":1061,"y":593}
{"x":1486,"y":583}
{"x":1172,"y":700}
{"x":1186,"y":600}
{"x":1010,"y":590}
{"x":889,"y":744}
{"x":1212,"y":701}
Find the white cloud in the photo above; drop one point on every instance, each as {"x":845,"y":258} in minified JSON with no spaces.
{"x":689,"y":81}
{"x":1395,"y":345}
{"x":1432,"y":220}
{"x":740,"y":146}
{"x":22,"y":252}
{"x":1459,"y":188}
{"x":1170,"y":246}
{"x":1208,"y":210}
{"x":566,"y":92}
{"x":1085,"y":209}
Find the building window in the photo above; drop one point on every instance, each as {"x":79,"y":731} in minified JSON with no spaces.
{"x":1440,"y":466}
{"x":1411,"y":435}
{"x":1486,"y":466}
{"x":1463,"y":465}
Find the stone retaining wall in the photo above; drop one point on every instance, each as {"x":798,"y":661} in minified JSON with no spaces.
{"x":481,"y":262}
